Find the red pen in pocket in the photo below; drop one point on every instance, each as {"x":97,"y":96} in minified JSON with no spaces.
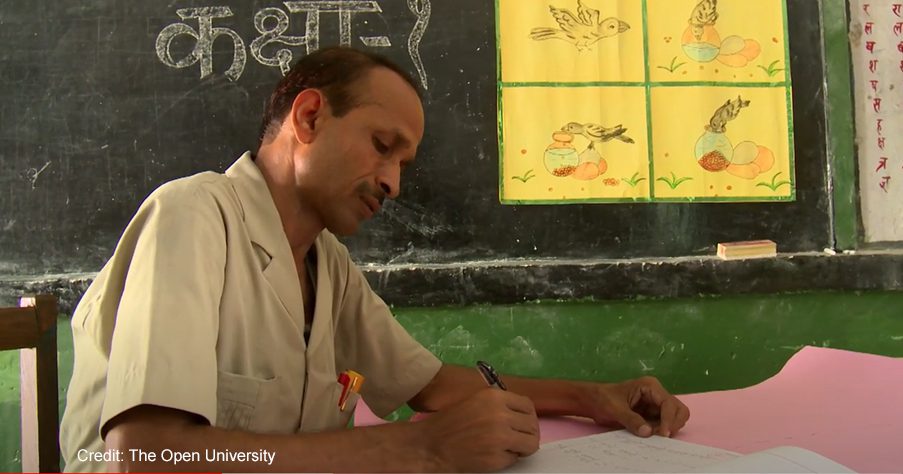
{"x":351,"y":382}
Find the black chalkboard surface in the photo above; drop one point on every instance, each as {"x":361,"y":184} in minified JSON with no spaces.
{"x":103,"y":100}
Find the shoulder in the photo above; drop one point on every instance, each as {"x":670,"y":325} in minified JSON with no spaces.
{"x":202,"y":202}
{"x":202,"y":191}
{"x":192,"y":187}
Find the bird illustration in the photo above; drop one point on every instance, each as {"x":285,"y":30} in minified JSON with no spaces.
{"x":704,"y":14}
{"x":583,"y":30}
{"x":597,"y":133}
{"x":727,"y":112}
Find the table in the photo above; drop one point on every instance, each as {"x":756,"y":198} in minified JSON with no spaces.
{"x":844,"y":405}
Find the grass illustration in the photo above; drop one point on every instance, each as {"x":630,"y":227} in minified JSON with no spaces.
{"x":674,"y":181}
{"x":526,"y":177}
{"x":772,"y":69}
{"x":673,"y":67}
{"x":634,"y":180}
{"x":774,"y":184}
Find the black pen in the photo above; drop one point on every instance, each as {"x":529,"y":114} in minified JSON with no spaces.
{"x":490,"y":376}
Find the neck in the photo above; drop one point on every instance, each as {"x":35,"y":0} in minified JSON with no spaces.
{"x":299,"y":221}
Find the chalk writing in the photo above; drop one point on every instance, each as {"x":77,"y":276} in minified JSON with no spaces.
{"x":422,"y":9}
{"x":204,"y":36}
{"x":272,"y":25}
{"x":376,"y":41}
{"x":344,"y":9}
{"x":33,"y":174}
{"x":283,"y":57}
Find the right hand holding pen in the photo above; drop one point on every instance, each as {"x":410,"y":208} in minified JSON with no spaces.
{"x":488,"y":431}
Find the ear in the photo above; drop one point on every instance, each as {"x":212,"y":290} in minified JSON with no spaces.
{"x":308,"y":107}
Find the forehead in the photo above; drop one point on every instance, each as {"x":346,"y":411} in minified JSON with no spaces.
{"x":384,"y":93}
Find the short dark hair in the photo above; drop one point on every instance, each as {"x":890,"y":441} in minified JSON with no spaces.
{"x":333,"y":71}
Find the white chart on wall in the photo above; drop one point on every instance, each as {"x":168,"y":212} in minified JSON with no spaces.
{"x":877,"y":44}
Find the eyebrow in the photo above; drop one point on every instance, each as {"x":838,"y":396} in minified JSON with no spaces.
{"x":400,"y":141}
{"x":400,"y":137}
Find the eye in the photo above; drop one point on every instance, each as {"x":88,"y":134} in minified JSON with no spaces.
{"x":380,"y":147}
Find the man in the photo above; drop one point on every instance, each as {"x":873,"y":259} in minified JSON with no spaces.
{"x":228,"y":309}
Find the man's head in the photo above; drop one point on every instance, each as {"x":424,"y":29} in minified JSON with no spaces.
{"x":334,"y":71}
{"x":342,"y":123}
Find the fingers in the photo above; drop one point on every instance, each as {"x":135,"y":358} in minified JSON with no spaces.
{"x":523,"y":423}
{"x":485,"y":432}
{"x":674,"y":416}
{"x":519,"y":415}
{"x":515,"y":402}
{"x":523,"y":444}
{"x":637,"y":403}
{"x":672,"y":413}
{"x":632,"y":421}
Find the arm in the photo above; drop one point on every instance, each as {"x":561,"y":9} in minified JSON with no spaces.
{"x":629,"y":403}
{"x":152,"y":429}
{"x":488,"y":431}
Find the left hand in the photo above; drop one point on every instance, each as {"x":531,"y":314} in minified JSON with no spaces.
{"x":641,"y":405}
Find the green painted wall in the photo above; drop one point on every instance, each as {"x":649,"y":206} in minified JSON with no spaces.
{"x":692,"y":345}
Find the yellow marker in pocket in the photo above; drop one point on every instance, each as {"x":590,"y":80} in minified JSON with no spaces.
{"x":351,"y":382}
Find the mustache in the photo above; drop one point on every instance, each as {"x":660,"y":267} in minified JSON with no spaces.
{"x":376,"y":192}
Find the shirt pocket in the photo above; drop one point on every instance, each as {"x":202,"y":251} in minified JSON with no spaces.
{"x":342,"y":418}
{"x":237,"y":399}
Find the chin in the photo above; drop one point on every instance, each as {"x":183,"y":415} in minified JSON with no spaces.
{"x":343,"y":228}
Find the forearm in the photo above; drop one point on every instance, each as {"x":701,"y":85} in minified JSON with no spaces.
{"x":550,"y":397}
{"x":392,"y":447}
{"x":632,"y":404}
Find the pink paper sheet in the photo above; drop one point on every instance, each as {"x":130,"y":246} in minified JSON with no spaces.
{"x":845,"y":405}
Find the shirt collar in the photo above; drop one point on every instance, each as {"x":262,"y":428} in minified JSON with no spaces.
{"x":258,"y":209}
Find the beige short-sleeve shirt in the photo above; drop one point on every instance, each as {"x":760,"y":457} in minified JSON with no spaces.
{"x":200,"y":309}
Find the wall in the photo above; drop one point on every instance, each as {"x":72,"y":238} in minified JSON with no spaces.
{"x":95,"y":115}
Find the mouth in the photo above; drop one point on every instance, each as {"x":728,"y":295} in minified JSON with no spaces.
{"x":622,"y":27}
{"x":372,"y":204}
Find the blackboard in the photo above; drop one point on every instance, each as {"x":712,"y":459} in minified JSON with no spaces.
{"x":92,"y":119}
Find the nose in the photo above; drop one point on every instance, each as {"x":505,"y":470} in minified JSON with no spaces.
{"x":389,"y":180}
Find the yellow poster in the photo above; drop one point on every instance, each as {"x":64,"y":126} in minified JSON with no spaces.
{"x":644,"y":100}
